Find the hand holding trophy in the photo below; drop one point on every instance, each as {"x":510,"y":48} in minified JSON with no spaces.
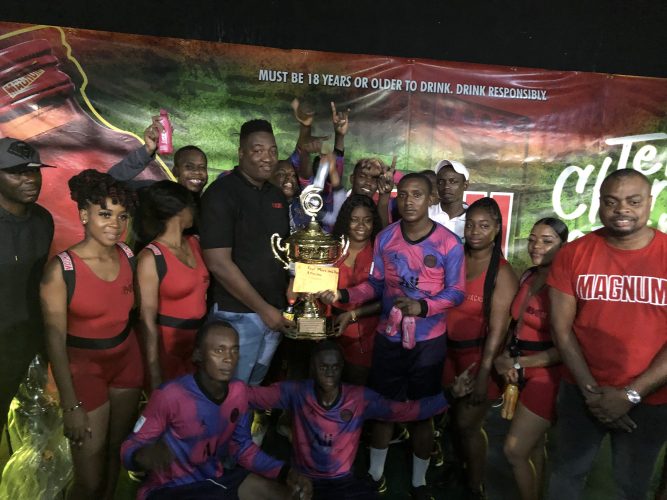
{"x":314,"y":254}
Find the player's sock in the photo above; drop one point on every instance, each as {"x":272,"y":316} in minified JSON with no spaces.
{"x":378,"y":457}
{"x":419,"y":468}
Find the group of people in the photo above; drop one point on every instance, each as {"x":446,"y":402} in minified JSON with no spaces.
{"x":430,"y":316}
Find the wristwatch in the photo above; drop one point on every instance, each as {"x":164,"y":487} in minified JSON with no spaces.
{"x":633,"y":396}
{"x":516,"y":365}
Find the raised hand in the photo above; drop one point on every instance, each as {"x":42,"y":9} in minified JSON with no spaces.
{"x":304,"y":118}
{"x":386,"y":179}
{"x":340,"y":120}
{"x":151,"y":135}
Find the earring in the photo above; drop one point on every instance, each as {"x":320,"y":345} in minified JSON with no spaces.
{"x":84,"y":221}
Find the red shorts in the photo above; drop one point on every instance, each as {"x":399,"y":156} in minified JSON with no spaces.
{"x":458,"y":360}
{"x":94,"y":371}
{"x":540,"y":391}
{"x":357,"y":350}
{"x":175,"y":352}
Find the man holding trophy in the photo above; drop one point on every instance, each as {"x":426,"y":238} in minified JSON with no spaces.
{"x":419,"y":273}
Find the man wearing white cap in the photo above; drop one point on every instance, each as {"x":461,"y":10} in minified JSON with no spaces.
{"x":452,"y":182}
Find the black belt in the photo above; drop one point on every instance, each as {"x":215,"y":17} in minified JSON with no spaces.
{"x":465,"y":344}
{"x":108,"y":343}
{"x":183,"y":324}
{"x":529,"y":345}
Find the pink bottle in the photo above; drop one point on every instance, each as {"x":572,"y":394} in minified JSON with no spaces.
{"x":393,"y":321}
{"x":164,"y":144}
{"x":408,"y":337}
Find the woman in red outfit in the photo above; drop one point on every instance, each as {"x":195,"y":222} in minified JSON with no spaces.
{"x":476,"y":332}
{"x":172,"y":280}
{"x":87,"y":296}
{"x":532,"y":361}
{"x":359,"y":221}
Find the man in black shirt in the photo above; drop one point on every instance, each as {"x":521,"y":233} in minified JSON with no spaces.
{"x":240,"y":212}
{"x":26,"y":231}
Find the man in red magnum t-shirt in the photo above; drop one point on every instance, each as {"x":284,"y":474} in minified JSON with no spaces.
{"x":609,"y":320}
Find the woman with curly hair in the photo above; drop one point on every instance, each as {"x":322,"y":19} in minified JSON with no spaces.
{"x":359,"y":221}
{"x":87,"y":296}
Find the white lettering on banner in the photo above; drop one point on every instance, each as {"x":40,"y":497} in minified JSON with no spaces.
{"x":622,"y":288}
{"x":22,"y":84}
{"x":518,"y":93}
{"x":471,"y":89}
{"x":435,"y":87}
{"x":269,"y":75}
{"x":643,"y":161}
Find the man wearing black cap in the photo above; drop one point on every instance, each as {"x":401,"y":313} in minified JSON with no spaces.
{"x":26,"y":231}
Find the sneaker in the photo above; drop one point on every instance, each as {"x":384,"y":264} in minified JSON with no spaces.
{"x":421,"y":493}
{"x":476,"y":494}
{"x":401,"y":434}
{"x":380,"y":485}
{"x":260,"y":425}
{"x":136,"y":476}
{"x":437,"y":458}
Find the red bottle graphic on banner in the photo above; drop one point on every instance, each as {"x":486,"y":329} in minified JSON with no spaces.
{"x":37,"y":105}
{"x":164,"y":145}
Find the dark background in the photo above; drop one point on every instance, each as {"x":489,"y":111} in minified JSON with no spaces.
{"x":609,"y":36}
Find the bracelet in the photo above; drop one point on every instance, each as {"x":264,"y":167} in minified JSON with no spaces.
{"x":78,"y":405}
{"x":353,"y":316}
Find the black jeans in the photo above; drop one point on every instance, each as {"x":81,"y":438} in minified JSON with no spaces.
{"x":579,"y":436}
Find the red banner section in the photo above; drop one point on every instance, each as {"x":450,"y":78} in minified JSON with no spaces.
{"x":539,"y":142}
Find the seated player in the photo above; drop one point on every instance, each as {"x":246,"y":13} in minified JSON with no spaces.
{"x":193,"y":423}
{"x":328,"y":419}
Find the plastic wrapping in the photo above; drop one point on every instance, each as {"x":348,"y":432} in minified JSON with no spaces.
{"x":41,"y":465}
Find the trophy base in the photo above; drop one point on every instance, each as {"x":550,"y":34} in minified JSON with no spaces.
{"x":312,"y":329}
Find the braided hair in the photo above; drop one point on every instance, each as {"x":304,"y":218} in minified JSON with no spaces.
{"x":493,"y":210}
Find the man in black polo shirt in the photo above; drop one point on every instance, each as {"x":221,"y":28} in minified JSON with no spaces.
{"x":26,"y":231}
{"x":240,"y":212}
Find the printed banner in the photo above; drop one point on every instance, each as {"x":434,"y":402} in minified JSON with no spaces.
{"x":540,"y":142}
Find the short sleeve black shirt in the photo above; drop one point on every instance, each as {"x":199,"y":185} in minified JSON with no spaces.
{"x":237,"y":214}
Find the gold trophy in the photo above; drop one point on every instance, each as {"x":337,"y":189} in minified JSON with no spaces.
{"x":314,"y":253}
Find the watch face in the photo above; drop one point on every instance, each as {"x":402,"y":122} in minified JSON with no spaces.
{"x":633,"y":396}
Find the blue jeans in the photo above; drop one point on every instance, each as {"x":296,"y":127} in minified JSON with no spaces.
{"x":257,"y":344}
{"x":578,"y":439}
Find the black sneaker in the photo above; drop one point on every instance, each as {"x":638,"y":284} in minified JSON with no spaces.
{"x":401,"y":434}
{"x":421,"y":493}
{"x":437,"y":458}
{"x":477,"y":494}
{"x":380,"y":485}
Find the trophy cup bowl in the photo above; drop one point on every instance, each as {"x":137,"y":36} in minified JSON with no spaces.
{"x":309,"y":245}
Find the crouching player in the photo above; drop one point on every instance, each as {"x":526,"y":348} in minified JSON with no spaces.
{"x":328,"y":419}
{"x":193,"y":423}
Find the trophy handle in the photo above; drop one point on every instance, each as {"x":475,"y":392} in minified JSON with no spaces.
{"x":344,"y":246}
{"x":276,"y":247}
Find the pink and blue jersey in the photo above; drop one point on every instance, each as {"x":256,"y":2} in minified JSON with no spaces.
{"x":325,"y":440}
{"x":431,"y":269}
{"x":199,"y":432}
